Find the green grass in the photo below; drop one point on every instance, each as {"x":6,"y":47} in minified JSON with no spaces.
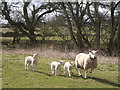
{"x":14,"y":75}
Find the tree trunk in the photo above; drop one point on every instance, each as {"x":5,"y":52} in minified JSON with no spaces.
{"x":97,"y":39}
{"x":118,"y":37}
{"x":14,"y":40}
{"x":69,"y":26}
{"x":33,"y":39}
{"x":71,"y":34}
{"x":80,"y":41}
{"x":77,"y":20}
{"x":97,"y":25}
{"x":112,"y":33}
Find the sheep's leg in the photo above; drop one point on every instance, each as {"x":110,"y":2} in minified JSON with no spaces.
{"x":55,"y":71}
{"x":91,"y":72}
{"x":85,"y":74}
{"x":69,"y":71}
{"x":79,"y":71}
{"x":27,"y":66}
{"x":52,"y":69}
{"x":33,"y":66}
{"x":37,"y":67}
{"x":60,"y":71}
{"x":64,"y":70}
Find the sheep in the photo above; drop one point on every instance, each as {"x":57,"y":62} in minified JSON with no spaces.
{"x":31,"y":60}
{"x":69,"y":66}
{"x":55,"y":66}
{"x":86,"y":61}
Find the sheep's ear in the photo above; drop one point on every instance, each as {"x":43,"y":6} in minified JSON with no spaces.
{"x":89,"y":50}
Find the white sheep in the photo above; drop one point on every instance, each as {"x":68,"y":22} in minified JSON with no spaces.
{"x":55,"y":66}
{"x":69,"y":66}
{"x":86,"y":61}
{"x":31,"y":60}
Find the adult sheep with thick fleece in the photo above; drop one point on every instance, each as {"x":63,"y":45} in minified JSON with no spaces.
{"x":68,"y":66}
{"x":86,"y":61}
{"x":31,"y":60}
{"x":55,"y":66}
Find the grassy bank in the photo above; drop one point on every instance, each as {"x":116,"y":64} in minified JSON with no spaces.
{"x":15,"y":75}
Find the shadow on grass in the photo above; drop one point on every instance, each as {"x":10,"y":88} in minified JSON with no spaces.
{"x":76,"y":77}
{"x":44,"y":73}
{"x":105,"y":81}
{"x":73,"y":76}
{"x":96,"y":79}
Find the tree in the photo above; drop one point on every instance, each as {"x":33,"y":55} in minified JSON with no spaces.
{"x":118,"y":36}
{"x":76,"y":12}
{"x":113,"y":27}
{"x":69,"y":24}
{"x":27,"y":22}
{"x":95,"y":20}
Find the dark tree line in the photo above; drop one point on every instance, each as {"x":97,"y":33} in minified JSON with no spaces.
{"x":81,"y":18}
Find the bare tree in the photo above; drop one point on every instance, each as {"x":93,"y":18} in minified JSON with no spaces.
{"x":95,"y":21}
{"x":69,"y":24}
{"x":113,"y":27}
{"x":27,"y":23}
{"x":118,"y":36}
{"x":76,"y":12}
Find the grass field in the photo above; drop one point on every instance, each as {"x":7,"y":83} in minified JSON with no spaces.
{"x":14,"y":75}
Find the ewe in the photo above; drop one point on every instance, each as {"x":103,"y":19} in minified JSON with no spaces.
{"x":55,"y":66}
{"x":86,"y":61}
{"x":31,"y":60}
{"x":69,"y":66}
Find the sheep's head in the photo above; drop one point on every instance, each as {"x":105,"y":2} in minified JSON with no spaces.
{"x":93,"y":54}
{"x":72,"y":63}
{"x":62,"y":62}
{"x":35,"y":55}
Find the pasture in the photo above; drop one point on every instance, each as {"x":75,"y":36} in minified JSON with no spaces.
{"x":57,"y":34}
{"x":14,"y":74}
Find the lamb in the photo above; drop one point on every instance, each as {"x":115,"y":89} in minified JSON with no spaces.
{"x":69,"y":66}
{"x":55,"y":66}
{"x":31,"y":60}
{"x":86,"y":61}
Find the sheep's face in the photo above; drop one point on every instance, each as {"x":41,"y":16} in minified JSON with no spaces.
{"x":72,"y":63}
{"x":62,"y":62}
{"x":93,"y":54}
{"x":35,"y":55}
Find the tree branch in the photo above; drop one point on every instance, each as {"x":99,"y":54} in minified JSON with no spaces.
{"x":26,"y":13}
{"x":89,"y":14}
{"x":5,"y":12}
{"x":49,"y":11}
{"x":69,"y":24}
